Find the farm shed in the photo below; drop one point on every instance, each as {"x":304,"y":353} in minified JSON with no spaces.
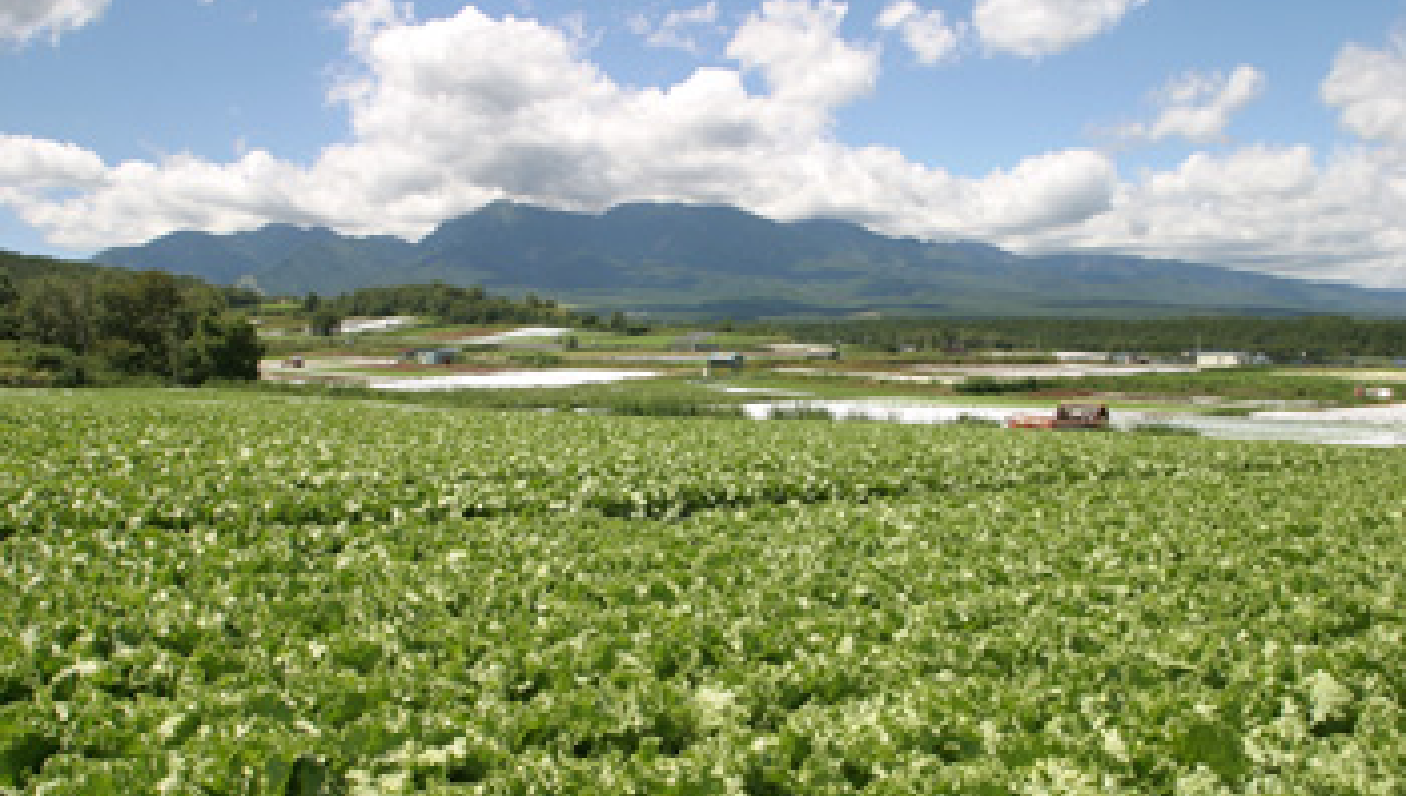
{"x":725,"y":361}
{"x":432,"y":356}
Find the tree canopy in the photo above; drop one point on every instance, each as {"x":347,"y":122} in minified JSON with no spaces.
{"x":76,"y":325}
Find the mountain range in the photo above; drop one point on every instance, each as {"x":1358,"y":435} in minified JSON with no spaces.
{"x":674,"y":260}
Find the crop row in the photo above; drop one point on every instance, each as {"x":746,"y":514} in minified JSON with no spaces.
{"x":1180,"y":618}
{"x":1102,"y":638}
{"x":95,"y":463}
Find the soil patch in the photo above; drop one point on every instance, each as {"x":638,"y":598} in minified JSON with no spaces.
{"x":458,"y":334}
{"x":1067,"y":394}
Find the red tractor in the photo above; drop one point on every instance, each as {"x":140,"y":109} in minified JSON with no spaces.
{"x":1068,"y":417}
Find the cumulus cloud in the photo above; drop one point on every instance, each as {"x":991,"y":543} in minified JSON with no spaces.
{"x":448,"y":114}
{"x":1259,"y":207}
{"x":1048,"y":191}
{"x":1368,"y":87}
{"x":679,"y":29}
{"x":22,"y":20}
{"x":1282,"y":209}
{"x":29,"y":163}
{"x":1198,"y":106}
{"x":1033,"y":28}
{"x":796,"y":45}
{"x":925,"y":32}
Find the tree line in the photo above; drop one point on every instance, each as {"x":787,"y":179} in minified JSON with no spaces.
{"x":450,"y":304}
{"x":1308,"y":338}
{"x":76,"y":325}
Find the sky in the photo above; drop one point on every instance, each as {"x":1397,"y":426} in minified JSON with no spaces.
{"x":1267,"y":135}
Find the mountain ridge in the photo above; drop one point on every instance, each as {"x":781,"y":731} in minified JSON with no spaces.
{"x":714,"y":260}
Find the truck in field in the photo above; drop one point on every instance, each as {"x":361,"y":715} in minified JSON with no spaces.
{"x":1067,"y":417}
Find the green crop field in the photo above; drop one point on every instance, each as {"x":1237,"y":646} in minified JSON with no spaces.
{"x":207,"y":592}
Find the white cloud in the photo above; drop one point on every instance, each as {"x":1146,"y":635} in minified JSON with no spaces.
{"x":31,"y":163}
{"x":365,"y":18}
{"x":1259,"y":207}
{"x":1281,"y":209}
{"x":680,"y":28}
{"x":22,"y":20}
{"x":1198,"y":106}
{"x":451,"y":113}
{"x":796,"y":45}
{"x":925,"y":32}
{"x":1048,"y":191}
{"x":448,"y":114}
{"x":1369,"y":88}
{"x":1032,"y":28}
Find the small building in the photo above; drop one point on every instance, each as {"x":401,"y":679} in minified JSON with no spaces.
{"x":725,"y":361}
{"x":431,"y":356}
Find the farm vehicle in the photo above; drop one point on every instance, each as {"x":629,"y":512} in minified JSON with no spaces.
{"x":1067,"y":417}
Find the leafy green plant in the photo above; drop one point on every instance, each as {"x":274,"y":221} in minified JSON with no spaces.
{"x":239,"y":592}
{"x":1164,"y":429}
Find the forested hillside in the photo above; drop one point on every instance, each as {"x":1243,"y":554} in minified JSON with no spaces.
{"x":72,"y":324}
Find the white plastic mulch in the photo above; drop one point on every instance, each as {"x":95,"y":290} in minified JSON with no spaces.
{"x":514,"y":378}
{"x":1051,"y":371}
{"x":759,"y":391}
{"x":1391,"y":414}
{"x":527,"y":331}
{"x":1338,"y":427}
{"x":375,"y":324}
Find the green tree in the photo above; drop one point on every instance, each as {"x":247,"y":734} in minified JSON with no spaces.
{"x":144,"y":319}
{"x":223,"y":347}
{"x":324,"y":322}
{"x":9,"y":297}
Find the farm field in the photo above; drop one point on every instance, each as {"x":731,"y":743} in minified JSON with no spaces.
{"x":210,"y":592}
{"x":1352,"y":374}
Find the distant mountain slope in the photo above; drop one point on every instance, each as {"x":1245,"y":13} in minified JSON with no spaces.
{"x":16,"y":269}
{"x":720,"y":261}
{"x":300,"y":256}
{"x":18,"y":266}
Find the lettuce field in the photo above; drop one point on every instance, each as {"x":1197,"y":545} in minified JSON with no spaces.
{"x":221,"y":593}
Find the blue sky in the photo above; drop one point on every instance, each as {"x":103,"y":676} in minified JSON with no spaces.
{"x":1256,"y":134}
